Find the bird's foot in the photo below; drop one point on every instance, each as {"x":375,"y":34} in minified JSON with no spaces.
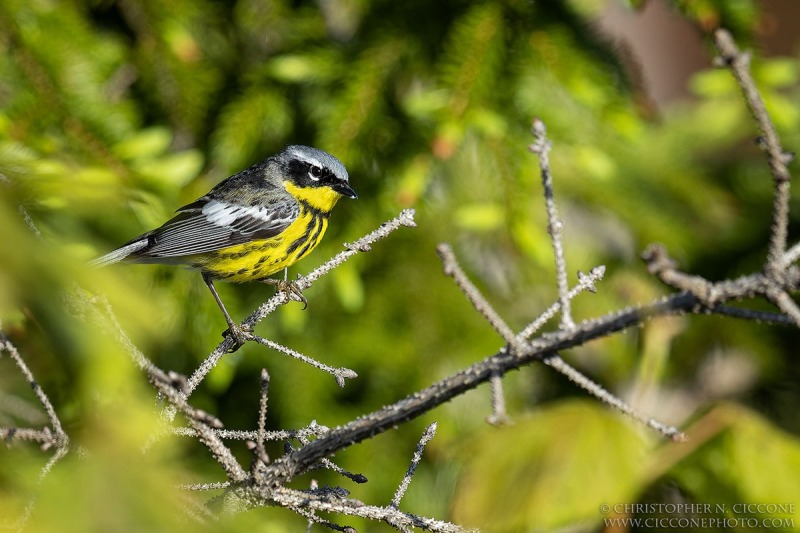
{"x":290,"y":288}
{"x":238,"y":334}
{"x":292,"y":291}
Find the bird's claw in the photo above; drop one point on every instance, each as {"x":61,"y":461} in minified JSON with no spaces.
{"x":292,"y":291}
{"x":238,"y":334}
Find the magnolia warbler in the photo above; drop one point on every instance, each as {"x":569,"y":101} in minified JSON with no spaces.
{"x":251,"y":225}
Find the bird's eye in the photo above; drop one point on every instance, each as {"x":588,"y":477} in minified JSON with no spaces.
{"x":314,"y":172}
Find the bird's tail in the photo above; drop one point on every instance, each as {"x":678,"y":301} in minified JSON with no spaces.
{"x":121,"y":253}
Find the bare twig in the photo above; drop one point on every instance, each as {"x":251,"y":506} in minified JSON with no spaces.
{"x":553,"y":360}
{"x":784,"y":302}
{"x":340,"y":374}
{"x":364,"y":244}
{"x":328,"y":464}
{"x":586,"y":282}
{"x":206,"y":434}
{"x":26,"y":216}
{"x":792,"y":254}
{"x":453,"y":269}
{"x":103,"y":315}
{"x":606,"y":397}
{"x":313,"y":519}
{"x":430,"y":432}
{"x":29,"y":222}
{"x":329,"y":503}
{"x":541,"y":147}
{"x":200,"y":487}
{"x":201,"y":422}
{"x":711,"y":294}
{"x":44,"y":436}
{"x":412,"y":406}
{"x":767,"y":317}
{"x":61,"y":452}
{"x":739,"y":64}
{"x":58,"y":438}
{"x":261,"y":457}
{"x":48,"y":437}
{"x":312,"y":430}
{"x":499,"y":414}
{"x":517,"y":344}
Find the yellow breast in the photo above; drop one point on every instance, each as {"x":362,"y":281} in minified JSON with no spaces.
{"x":261,"y":258}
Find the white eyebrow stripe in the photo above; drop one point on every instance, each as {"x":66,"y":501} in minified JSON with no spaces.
{"x":306,"y":158}
{"x":224,"y":214}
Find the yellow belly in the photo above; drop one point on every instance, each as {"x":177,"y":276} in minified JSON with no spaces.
{"x":259,"y":259}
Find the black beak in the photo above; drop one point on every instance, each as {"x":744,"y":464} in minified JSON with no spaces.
{"x":344,"y":189}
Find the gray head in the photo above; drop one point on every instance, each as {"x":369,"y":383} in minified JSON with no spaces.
{"x":309,"y":167}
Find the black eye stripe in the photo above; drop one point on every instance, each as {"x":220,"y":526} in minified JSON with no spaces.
{"x":310,"y":174}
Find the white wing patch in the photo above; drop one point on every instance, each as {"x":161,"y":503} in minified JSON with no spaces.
{"x":225,"y":214}
{"x":214,"y":226}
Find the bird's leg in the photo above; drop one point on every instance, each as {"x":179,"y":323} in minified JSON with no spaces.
{"x":288,"y":286}
{"x":236,"y":332}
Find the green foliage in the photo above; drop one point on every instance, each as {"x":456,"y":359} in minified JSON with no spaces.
{"x":113,"y":114}
{"x":706,"y":474}
{"x":587,"y":457}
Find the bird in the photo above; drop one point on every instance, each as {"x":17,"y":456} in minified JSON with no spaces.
{"x":250,"y":226}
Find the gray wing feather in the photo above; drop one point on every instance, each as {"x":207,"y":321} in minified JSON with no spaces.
{"x":120,"y":253}
{"x":216,"y":224}
{"x":205,"y":226}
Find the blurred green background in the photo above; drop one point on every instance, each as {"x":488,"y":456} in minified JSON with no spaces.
{"x":113,"y":113}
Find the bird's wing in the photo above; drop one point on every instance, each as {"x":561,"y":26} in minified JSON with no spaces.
{"x":211,"y":224}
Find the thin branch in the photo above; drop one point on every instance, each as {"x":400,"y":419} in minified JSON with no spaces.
{"x":312,"y":518}
{"x":43,"y":436}
{"x":586,"y":282}
{"x":711,"y":294}
{"x":48,"y":437}
{"x":340,"y":374}
{"x":606,"y":397}
{"x":207,"y":435}
{"x":326,"y":463}
{"x":660,"y":264}
{"x":785,"y":303}
{"x":59,"y":437}
{"x":364,"y":244}
{"x":312,"y":430}
{"x":200,"y":487}
{"x":766,"y":317}
{"x":29,"y":222}
{"x":261,"y":457}
{"x":454,"y":270}
{"x":541,"y":147}
{"x":739,"y":64}
{"x":26,"y":216}
{"x":61,"y":452}
{"x":427,"y":436}
{"x":196,"y":511}
{"x":325,"y":502}
{"x":201,"y":422}
{"x":103,"y":315}
{"x":499,"y":414}
{"x":792,"y":254}
{"x":367,"y":426}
